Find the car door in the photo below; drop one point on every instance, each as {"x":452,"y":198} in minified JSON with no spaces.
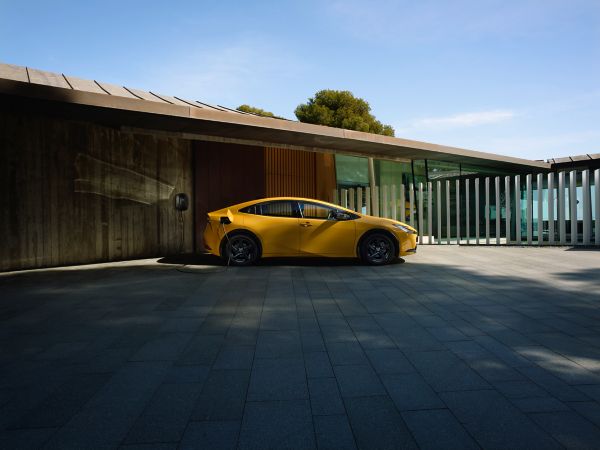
{"x":322,"y":235}
{"x":276,"y":224}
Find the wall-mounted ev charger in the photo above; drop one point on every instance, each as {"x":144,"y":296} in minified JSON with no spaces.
{"x":182,"y":202}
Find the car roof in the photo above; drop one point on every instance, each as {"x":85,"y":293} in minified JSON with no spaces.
{"x":299,"y":199}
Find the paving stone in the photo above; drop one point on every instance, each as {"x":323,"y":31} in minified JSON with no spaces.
{"x":161,"y":446}
{"x":539,"y":404}
{"x":166,"y":347}
{"x":389,"y":361}
{"x":519,"y":389}
{"x":100,"y":423}
{"x":237,"y":357}
{"x":494,"y":422}
{"x":444,"y":371}
{"x":409,"y":391}
{"x":167,"y":414}
{"x":346,"y":353}
{"x":317,"y":365}
{"x":362,"y":323}
{"x":531,"y":339}
{"x":447,"y":334}
{"x":589,"y":410}
{"x":554,"y":386}
{"x":223,"y":396}
{"x":25,"y":439}
{"x":63,"y":403}
{"x":312,"y":342}
{"x":569,"y":428}
{"x":333,"y":433}
{"x":561,"y":367}
{"x":371,"y":339}
{"x":187,"y":374}
{"x":277,"y":424}
{"x":377,"y":424}
{"x":201,"y":350}
{"x":438,"y":428}
{"x":591,"y":391}
{"x":278,"y":379}
{"x":358,"y":381}
{"x":217,"y":435}
{"x":338,"y":334}
{"x":278,"y":344}
{"x":325,"y":397}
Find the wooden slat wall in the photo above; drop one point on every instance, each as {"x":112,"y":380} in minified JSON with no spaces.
{"x":48,"y":221}
{"x":290,"y":172}
{"x":226,"y":174}
{"x":325,"y":175}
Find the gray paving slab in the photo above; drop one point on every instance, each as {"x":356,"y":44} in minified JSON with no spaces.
{"x":438,"y":428}
{"x":278,"y":379}
{"x":223,"y":396}
{"x":317,"y":365}
{"x":358,"y":381}
{"x":389,"y":361}
{"x":494,"y":422}
{"x":333,"y":433}
{"x":217,"y":435}
{"x":277,"y":424}
{"x":377,"y":424}
{"x":569,"y":428}
{"x":325,"y":399}
{"x":456,"y":347}
{"x":409,"y":391}
{"x":444,"y":371}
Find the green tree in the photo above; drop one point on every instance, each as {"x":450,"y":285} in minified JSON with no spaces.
{"x":341,"y":109}
{"x":257,"y":111}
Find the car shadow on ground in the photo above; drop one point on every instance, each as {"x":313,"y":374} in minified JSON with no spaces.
{"x":206,"y":259}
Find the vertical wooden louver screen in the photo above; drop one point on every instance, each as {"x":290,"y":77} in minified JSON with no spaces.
{"x":290,"y":173}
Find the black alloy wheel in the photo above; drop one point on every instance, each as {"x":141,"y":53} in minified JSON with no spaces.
{"x":241,"y":250}
{"x":377,"y":249}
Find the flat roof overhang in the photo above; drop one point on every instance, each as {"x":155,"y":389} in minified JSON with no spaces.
{"x":191,"y":122}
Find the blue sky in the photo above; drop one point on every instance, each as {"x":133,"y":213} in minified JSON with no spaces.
{"x":518,"y":78}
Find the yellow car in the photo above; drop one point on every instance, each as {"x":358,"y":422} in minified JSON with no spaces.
{"x":287,"y":226}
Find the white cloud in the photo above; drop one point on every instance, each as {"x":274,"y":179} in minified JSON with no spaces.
{"x":461,"y":120}
{"x":226,"y":72}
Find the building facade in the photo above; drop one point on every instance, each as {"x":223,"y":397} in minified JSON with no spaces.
{"x":90,"y":170}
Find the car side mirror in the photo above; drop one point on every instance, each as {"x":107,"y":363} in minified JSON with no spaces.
{"x":340,"y":215}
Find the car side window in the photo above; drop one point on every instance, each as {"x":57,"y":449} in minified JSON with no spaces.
{"x":316,"y":211}
{"x":278,"y":208}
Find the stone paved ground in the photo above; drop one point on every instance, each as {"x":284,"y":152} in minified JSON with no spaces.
{"x":456,"y":348}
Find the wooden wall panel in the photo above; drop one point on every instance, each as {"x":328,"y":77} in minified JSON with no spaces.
{"x":226,"y":174}
{"x":290,"y":173}
{"x":75,"y":192}
{"x":325,"y":175}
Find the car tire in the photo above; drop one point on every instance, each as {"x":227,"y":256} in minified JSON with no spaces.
{"x":377,"y":249}
{"x":241,"y":249}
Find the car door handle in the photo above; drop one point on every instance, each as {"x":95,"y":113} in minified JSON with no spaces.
{"x":306,"y":224}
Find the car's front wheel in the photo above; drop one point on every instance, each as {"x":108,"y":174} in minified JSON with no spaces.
{"x":377,"y":249}
{"x":241,"y":250}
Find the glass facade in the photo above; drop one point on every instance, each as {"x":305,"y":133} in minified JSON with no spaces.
{"x":353,"y":172}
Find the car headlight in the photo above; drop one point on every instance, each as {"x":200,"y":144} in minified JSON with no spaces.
{"x":404,"y":228}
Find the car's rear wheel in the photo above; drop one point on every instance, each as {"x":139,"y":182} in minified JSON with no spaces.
{"x":377,"y":249}
{"x":241,"y":250}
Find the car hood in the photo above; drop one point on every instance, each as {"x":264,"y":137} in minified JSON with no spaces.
{"x":382,"y":222}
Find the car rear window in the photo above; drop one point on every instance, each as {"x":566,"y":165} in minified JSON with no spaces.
{"x":278,"y":208}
